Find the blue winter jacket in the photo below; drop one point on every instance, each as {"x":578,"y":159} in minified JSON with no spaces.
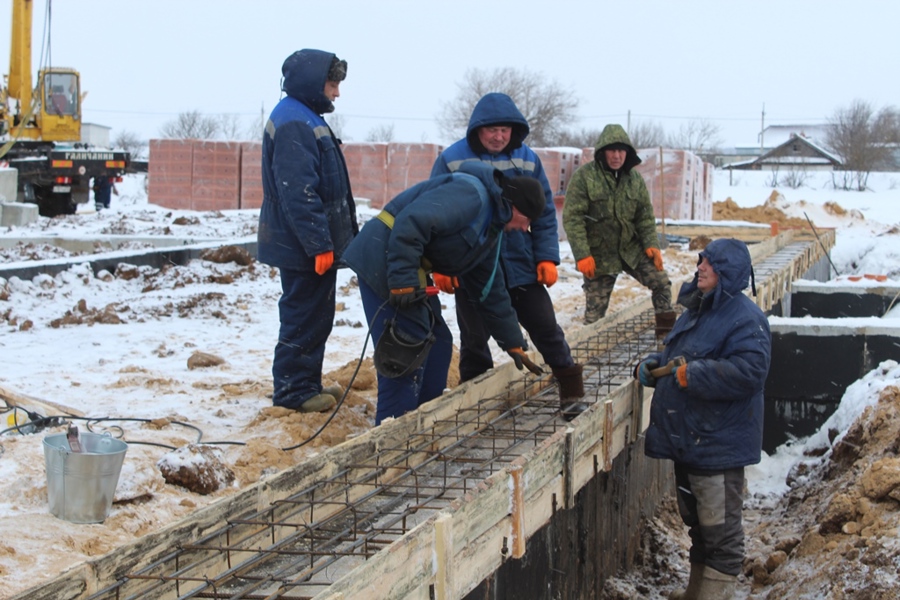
{"x":449,"y":224}
{"x":717,"y":421}
{"x":521,"y":251}
{"x":307,"y":207}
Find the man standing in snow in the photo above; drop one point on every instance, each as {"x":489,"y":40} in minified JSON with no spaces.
{"x":496,"y":135}
{"x":707,"y":414}
{"x":609,"y":221}
{"x":307,"y":219}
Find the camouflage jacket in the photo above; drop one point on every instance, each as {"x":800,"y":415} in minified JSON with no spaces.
{"x":608,"y":218}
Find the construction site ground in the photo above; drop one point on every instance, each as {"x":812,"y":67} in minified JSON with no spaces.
{"x":833,"y":536}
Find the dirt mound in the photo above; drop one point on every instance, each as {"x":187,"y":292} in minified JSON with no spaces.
{"x":728,"y":210}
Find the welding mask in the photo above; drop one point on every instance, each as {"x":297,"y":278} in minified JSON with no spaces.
{"x":395,"y":356}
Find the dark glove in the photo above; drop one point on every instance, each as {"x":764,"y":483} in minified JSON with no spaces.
{"x":642,"y":373}
{"x":403,"y":298}
{"x":521,"y":359}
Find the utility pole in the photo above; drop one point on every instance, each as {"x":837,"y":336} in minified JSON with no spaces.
{"x":762,"y":130}
{"x":628,"y":123}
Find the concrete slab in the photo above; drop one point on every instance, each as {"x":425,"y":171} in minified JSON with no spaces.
{"x":9,"y":182}
{"x":17,"y":214}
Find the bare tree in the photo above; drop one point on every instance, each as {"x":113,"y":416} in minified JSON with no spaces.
{"x":647,"y":134}
{"x":585,"y":138}
{"x":231,"y":127}
{"x":132,"y":143}
{"x":191,"y":125}
{"x":698,"y":136}
{"x":546,"y":105}
{"x":382,"y":133}
{"x":337,"y":124}
{"x":862,"y":139}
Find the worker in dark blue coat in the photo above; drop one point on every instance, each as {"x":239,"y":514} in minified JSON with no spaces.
{"x":707,"y":414}
{"x":451,"y":223}
{"x":307,"y":219}
{"x":496,"y":136}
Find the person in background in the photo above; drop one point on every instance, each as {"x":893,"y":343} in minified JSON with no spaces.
{"x":609,"y":221}
{"x":307,"y":219}
{"x":454,"y":224}
{"x":496,"y":136}
{"x":706,"y":415}
{"x":103,"y":190}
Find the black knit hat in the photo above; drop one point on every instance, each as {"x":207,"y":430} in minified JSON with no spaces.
{"x":526,"y":194}
{"x":338,"y":70}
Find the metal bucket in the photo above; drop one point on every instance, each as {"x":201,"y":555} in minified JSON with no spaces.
{"x":81,"y":485}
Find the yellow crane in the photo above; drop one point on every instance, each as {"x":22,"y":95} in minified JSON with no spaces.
{"x":41,"y":128}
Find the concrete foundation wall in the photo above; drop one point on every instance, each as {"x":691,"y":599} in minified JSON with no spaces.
{"x":574,"y":554}
{"x":9,"y":181}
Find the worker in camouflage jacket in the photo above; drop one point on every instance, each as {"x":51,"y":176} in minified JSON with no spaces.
{"x":707,"y":414}
{"x":610,"y":225}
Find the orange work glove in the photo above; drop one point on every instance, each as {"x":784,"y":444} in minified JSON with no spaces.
{"x":521,"y":359}
{"x":656,"y":256}
{"x":324,"y":262}
{"x":681,"y":376}
{"x":587,"y":266}
{"x":546,"y":273}
{"x":445,"y":283}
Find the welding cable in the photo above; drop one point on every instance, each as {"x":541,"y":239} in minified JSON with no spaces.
{"x":337,"y":407}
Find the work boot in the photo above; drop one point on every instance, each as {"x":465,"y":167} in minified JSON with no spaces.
{"x":334,"y":390}
{"x":571,"y":391}
{"x":693,"y":585}
{"x":318,"y":403}
{"x":715,"y":585}
{"x":664,"y":323}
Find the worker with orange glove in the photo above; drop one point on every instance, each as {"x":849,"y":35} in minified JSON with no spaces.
{"x":609,"y":221}
{"x":496,"y":136}
{"x":307,"y":219}
{"x":453,"y":224}
{"x":707,"y":410}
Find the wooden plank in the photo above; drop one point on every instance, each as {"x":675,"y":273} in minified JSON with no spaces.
{"x":443,"y":550}
{"x":45,"y":408}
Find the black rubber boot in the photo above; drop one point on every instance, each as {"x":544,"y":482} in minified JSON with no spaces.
{"x":571,"y":391}
{"x":664,"y":323}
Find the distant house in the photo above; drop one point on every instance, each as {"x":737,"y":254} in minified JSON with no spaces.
{"x":796,"y":152}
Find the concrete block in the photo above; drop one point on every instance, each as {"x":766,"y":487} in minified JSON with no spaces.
{"x":9,"y":183}
{"x":17,"y":214}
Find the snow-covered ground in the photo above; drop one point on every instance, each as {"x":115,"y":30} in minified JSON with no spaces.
{"x":116,"y":347}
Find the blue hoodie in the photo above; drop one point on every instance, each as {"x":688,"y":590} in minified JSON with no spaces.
{"x":450,"y":223}
{"x":717,"y":421}
{"x":308,"y":208}
{"x":521,"y":251}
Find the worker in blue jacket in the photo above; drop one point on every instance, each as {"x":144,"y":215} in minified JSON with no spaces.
{"x":496,"y":136}
{"x":707,"y":414}
{"x":307,"y":219}
{"x":453,"y":224}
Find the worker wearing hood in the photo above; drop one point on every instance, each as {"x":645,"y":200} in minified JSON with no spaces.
{"x":307,"y":219}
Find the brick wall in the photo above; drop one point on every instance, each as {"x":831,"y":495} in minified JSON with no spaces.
{"x":251,"y":175}
{"x":367,"y":164}
{"x":216,"y":175}
{"x":169,"y":169}
{"x":407,"y":165}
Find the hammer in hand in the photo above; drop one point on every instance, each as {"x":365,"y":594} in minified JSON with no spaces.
{"x":669,"y":368}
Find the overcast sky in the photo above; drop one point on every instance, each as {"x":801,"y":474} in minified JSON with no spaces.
{"x":145,"y":61}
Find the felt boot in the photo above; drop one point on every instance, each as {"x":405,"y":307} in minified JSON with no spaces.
{"x":318,"y":403}
{"x":664,"y":323}
{"x":693,"y":585}
{"x":334,"y":390}
{"x":715,"y":585}
{"x":571,"y":391}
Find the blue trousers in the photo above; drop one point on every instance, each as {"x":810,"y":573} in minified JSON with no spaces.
{"x":401,"y":395}
{"x":306,"y":309}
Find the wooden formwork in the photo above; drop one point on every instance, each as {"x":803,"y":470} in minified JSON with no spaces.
{"x":452,"y":551}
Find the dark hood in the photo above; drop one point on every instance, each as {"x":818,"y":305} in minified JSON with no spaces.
{"x":730,"y":259}
{"x":615,"y":134}
{"x":304,"y":73}
{"x":496,"y":109}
